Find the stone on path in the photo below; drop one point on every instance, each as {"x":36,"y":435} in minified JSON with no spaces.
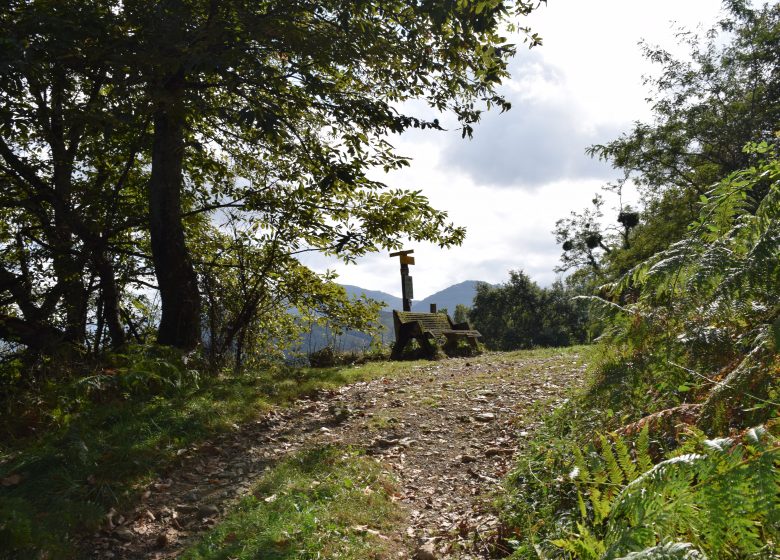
{"x":426,"y":552}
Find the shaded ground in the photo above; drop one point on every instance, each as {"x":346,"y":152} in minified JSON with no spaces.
{"x":446,"y":430}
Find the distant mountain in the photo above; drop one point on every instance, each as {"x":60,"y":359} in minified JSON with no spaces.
{"x":390,"y":301}
{"x":448,"y":298}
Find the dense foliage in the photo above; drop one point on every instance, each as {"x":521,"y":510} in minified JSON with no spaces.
{"x":520,"y":314}
{"x":685,"y":378}
{"x":691,"y":350}
{"x":188,"y":150}
{"x":619,"y":498}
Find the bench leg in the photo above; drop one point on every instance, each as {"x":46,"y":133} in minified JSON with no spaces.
{"x":398,"y":348}
{"x":430,"y":348}
{"x":451,"y":346}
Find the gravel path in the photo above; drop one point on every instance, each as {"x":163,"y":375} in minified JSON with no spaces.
{"x":447,"y":430}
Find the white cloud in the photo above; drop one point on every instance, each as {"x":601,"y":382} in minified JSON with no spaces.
{"x":527,"y":168}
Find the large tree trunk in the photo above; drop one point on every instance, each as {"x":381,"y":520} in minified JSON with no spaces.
{"x":176,"y":278}
{"x":68,"y":267}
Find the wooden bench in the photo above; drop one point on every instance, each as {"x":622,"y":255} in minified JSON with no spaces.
{"x":429,"y":329}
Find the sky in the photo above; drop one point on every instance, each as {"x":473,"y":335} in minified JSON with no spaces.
{"x":527,"y":168}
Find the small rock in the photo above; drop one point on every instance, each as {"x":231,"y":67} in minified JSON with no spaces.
{"x":385,"y":442}
{"x":494,"y":451}
{"x":426,"y":552}
{"x":485,"y":417}
{"x":191,"y":496}
{"x":124,"y":534}
{"x":208,"y":510}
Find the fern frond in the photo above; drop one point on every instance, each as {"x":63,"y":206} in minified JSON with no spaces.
{"x":616,"y":476}
{"x":624,"y":459}
{"x":642,"y":449}
{"x":581,"y":464}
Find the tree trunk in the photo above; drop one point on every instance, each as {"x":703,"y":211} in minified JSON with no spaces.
{"x":176,"y":278}
{"x":38,"y":337}
{"x":110,"y":300}
{"x":67,"y":266}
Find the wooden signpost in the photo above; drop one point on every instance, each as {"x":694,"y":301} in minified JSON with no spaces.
{"x":429,"y":329}
{"x":407,"y":290}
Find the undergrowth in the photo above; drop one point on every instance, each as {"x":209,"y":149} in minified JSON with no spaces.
{"x":685,"y":388}
{"x":70,"y":451}
{"x":575,"y":493}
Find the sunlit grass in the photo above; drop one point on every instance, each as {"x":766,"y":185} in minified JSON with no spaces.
{"x":322,"y":503}
{"x":101,"y":451}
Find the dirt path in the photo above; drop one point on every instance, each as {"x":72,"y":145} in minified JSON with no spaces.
{"x":447,"y":430}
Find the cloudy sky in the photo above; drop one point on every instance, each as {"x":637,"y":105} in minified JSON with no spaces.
{"x":527,"y":168}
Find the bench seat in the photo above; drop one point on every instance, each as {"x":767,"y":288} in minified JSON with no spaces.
{"x":427,"y":329}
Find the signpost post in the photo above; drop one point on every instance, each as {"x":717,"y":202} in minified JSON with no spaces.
{"x":407,"y":291}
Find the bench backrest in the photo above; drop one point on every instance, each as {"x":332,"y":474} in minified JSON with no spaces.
{"x":430,"y":322}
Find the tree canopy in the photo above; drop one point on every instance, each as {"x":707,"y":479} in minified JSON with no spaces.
{"x":519,"y":314}
{"x":190,"y":149}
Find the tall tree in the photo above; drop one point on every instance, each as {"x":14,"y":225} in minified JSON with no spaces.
{"x":300,"y":97}
{"x":128,"y":129}
{"x":64,"y":155}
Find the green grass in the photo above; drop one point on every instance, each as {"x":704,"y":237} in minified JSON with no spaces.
{"x":380,"y":421}
{"x":93,"y":447}
{"x":323,"y":503}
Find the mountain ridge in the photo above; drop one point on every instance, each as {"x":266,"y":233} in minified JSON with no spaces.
{"x":461,"y":293}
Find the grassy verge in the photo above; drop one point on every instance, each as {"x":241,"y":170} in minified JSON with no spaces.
{"x":323,"y":503}
{"x":91,"y":447}
{"x":594,"y":484}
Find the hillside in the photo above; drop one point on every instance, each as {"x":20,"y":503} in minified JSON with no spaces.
{"x":448,"y":298}
{"x":390,"y":301}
